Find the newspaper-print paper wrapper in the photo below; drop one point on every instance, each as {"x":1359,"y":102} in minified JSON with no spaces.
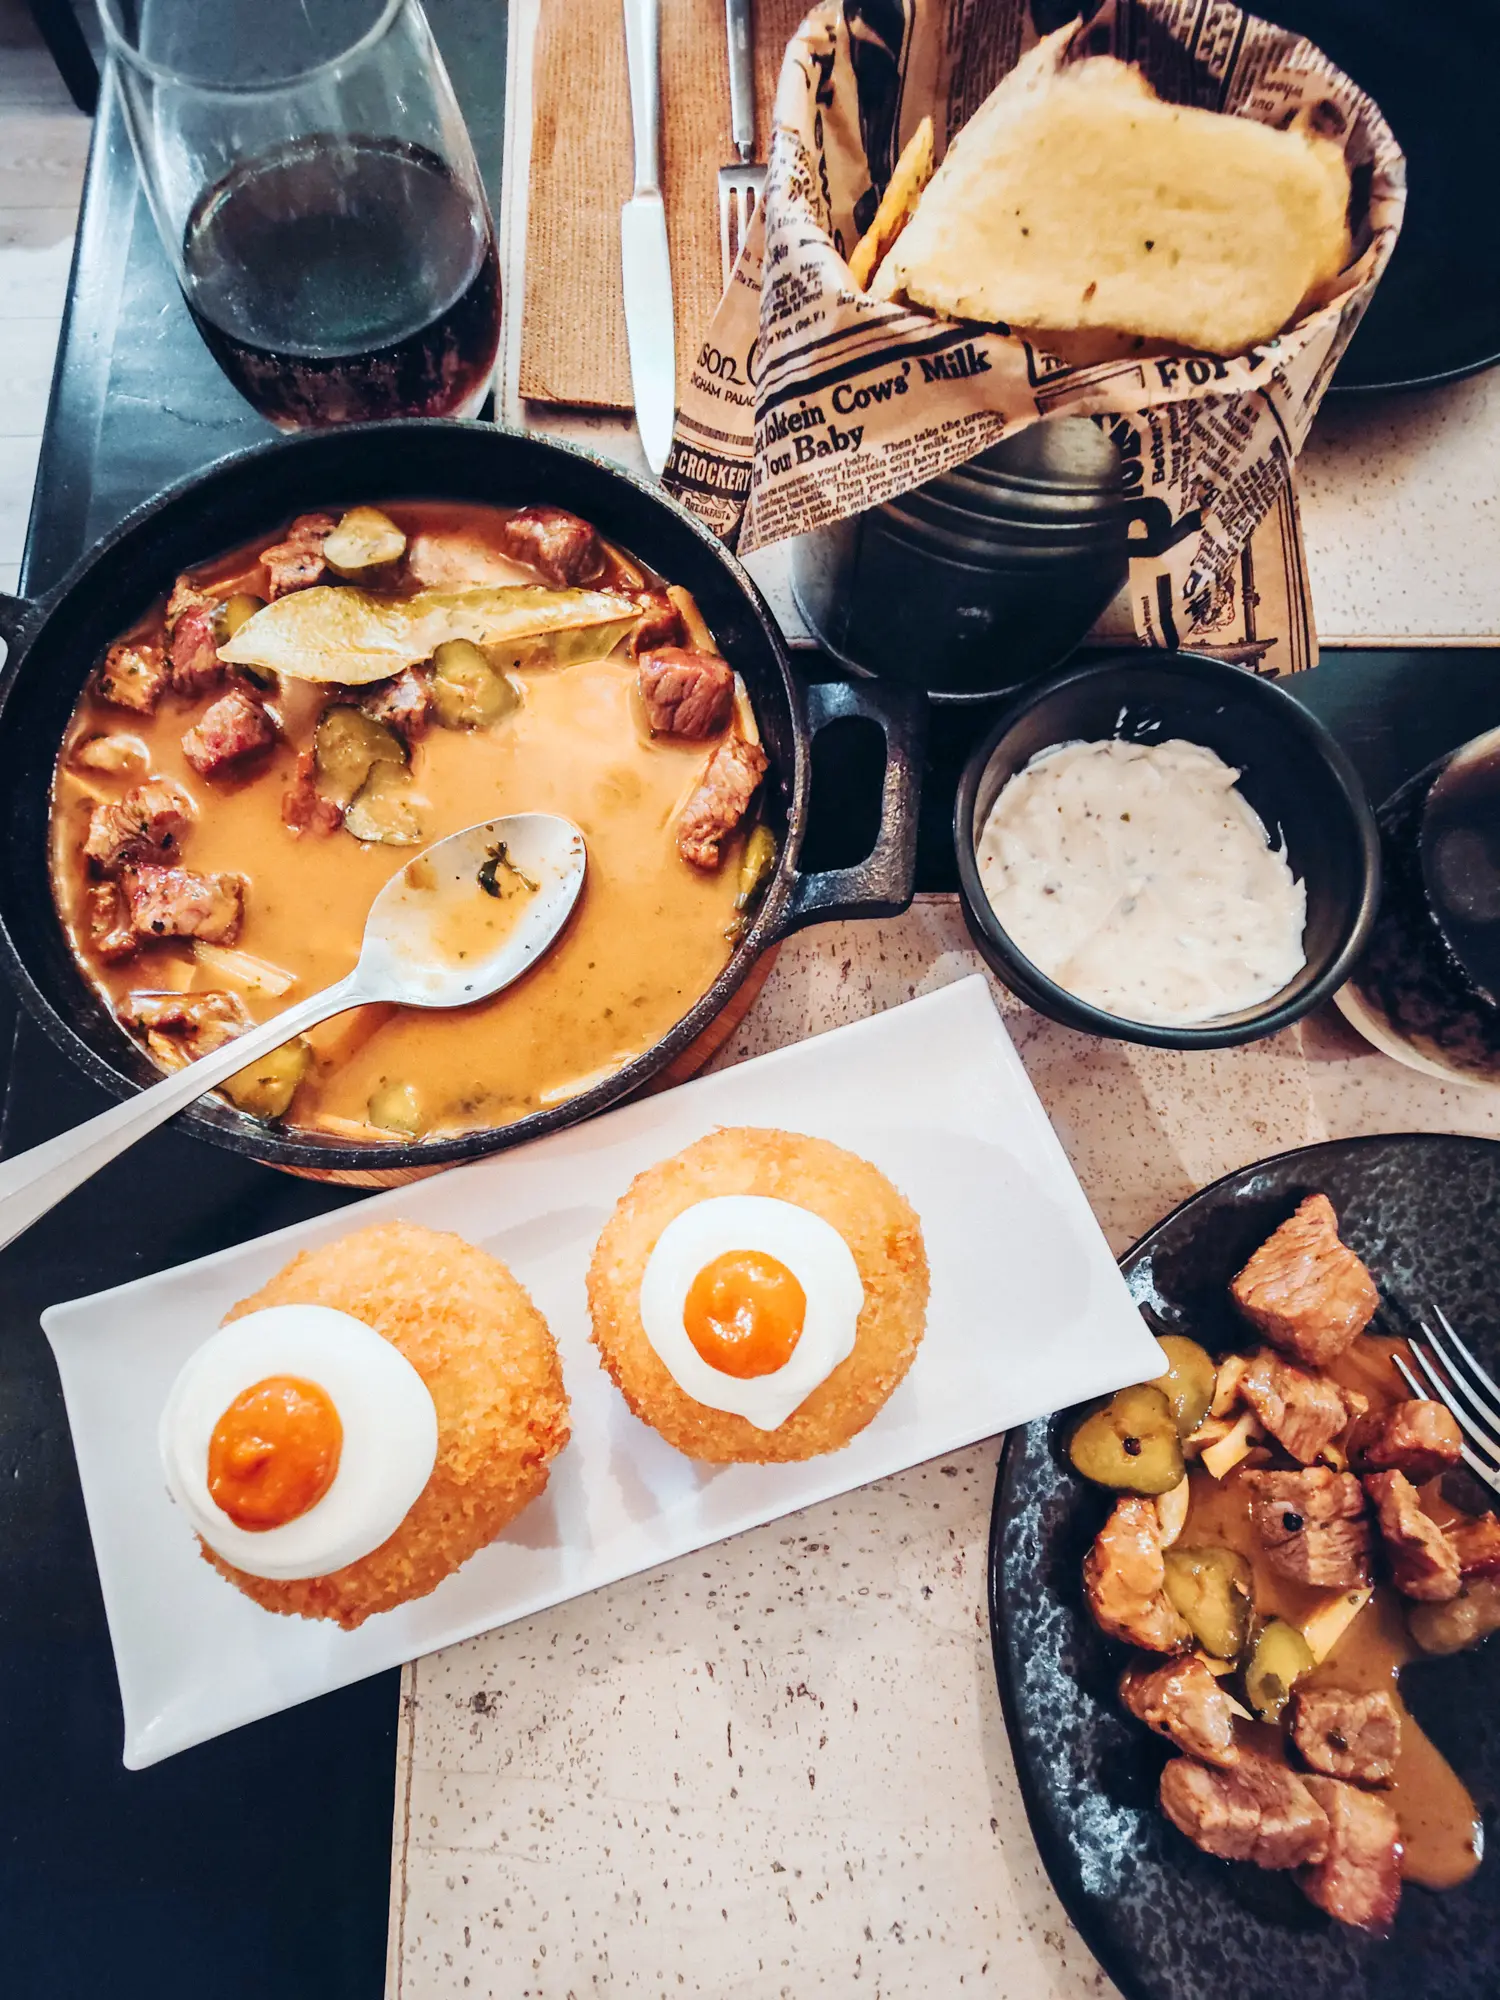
{"x":810,"y":401}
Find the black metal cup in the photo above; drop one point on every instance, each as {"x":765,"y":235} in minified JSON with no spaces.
{"x":983,"y":578}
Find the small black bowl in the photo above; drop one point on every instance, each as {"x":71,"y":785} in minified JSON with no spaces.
{"x":1293,"y":773}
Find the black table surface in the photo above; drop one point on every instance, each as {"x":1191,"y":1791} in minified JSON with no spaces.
{"x":259,"y":1864}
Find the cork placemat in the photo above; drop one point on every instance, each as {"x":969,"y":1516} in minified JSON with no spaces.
{"x":573,"y":348}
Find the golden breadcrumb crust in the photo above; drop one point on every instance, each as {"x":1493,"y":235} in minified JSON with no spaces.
{"x":879,"y":1225}
{"x":490,"y":1362}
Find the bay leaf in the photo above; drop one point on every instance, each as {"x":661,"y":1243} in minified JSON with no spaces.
{"x":342,"y":634}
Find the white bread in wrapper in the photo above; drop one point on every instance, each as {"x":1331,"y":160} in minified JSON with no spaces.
{"x":1078,"y":198}
{"x":811,"y":400}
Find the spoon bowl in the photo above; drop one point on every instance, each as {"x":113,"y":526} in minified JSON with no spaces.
{"x":473,"y":912}
{"x":461,"y":921}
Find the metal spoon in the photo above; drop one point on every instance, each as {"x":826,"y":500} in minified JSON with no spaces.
{"x":1459,"y":846}
{"x":436,"y":936}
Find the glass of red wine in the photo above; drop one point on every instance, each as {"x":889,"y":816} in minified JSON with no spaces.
{"x":313,"y":182}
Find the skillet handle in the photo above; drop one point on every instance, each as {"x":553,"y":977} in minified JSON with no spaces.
{"x":882,"y":884}
{"x":16,"y":615}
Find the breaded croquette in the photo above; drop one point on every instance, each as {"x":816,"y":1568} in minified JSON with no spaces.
{"x":491,"y":1366}
{"x":876,"y":1222}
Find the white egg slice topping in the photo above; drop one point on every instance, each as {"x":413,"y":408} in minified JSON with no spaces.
{"x":752,"y":1242}
{"x":384,"y":1459}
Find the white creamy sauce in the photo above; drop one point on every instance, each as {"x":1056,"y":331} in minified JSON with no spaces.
{"x":1139,"y":878}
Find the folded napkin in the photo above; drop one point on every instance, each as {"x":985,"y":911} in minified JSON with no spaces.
{"x":573,"y":339}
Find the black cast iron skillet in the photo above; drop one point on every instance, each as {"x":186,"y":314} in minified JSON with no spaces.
{"x":55,"y":641}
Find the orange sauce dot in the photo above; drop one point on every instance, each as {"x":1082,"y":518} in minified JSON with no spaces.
{"x":274,"y":1452}
{"x":744,"y":1313}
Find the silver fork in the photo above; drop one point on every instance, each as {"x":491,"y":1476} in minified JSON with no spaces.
{"x":1456,"y":1387}
{"x":741,"y":184}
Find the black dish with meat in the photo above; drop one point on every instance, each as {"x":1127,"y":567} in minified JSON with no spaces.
{"x":1303,"y":1622}
{"x":695,"y":677}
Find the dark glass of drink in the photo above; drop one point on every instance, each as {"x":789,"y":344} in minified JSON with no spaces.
{"x":313,"y":182}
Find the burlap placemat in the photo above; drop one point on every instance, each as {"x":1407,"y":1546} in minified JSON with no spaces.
{"x":573,"y":335}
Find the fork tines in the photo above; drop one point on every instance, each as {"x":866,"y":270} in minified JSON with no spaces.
{"x":740,"y":189}
{"x":1459,"y":1386}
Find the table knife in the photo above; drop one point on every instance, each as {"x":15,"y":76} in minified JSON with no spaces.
{"x":646,"y":269}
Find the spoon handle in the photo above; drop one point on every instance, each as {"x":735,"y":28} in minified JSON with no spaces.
{"x":37,"y":1180}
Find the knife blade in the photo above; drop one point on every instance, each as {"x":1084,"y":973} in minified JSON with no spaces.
{"x":645,"y":265}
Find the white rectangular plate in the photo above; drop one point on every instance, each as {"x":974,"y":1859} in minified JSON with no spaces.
{"x":1028,"y":1313}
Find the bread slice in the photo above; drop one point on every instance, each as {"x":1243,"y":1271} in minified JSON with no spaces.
{"x":1078,"y":198}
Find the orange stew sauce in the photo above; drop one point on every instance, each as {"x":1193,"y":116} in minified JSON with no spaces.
{"x":1440,"y":1824}
{"x":650,"y":933}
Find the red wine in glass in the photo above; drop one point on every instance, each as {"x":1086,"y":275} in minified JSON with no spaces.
{"x":337,"y":279}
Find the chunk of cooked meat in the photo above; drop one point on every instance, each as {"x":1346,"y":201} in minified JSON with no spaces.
{"x":146,"y":825}
{"x":1124,"y":1579}
{"x":111,"y":936}
{"x":115,"y":755}
{"x":718,"y":805}
{"x":1358,"y":1880}
{"x":186,"y":596}
{"x":1463,"y":1621}
{"x":235,"y":727}
{"x":660,"y":623}
{"x":297,"y":561}
{"x":303,"y":807}
{"x":1418,"y":1437}
{"x":180,"y":1027}
{"x":1352,"y":1736}
{"x":133,"y":675}
{"x":403,"y":703}
{"x":1476,"y":1543}
{"x":177,"y":903}
{"x":1304,"y":1290}
{"x":196,"y":666}
{"x":1313,"y":1526}
{"x":1182,"y":1701}
{"x":685,"y":693}
{"x":1259,"y":1811}
{"x":1303,"y":1412}
{"x":1424,"y":1563}
{"x":565,"y":549}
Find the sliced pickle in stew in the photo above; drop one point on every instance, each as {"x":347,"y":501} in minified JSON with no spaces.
{"x":347,"y":746}
{"x":364,"y":543}
{"x":467,"y":692}
{"x":266,"y":1088}
{"x":397,"y":1107}
{"x":1188,"y":1383}
{"x":1131,"y":1445}
{"x":386,"y":808}
{"x":1213,"y":1589}
{"x":1280,"y":1659}
{"x":757,"y":865}
{"x":235,"y":611}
